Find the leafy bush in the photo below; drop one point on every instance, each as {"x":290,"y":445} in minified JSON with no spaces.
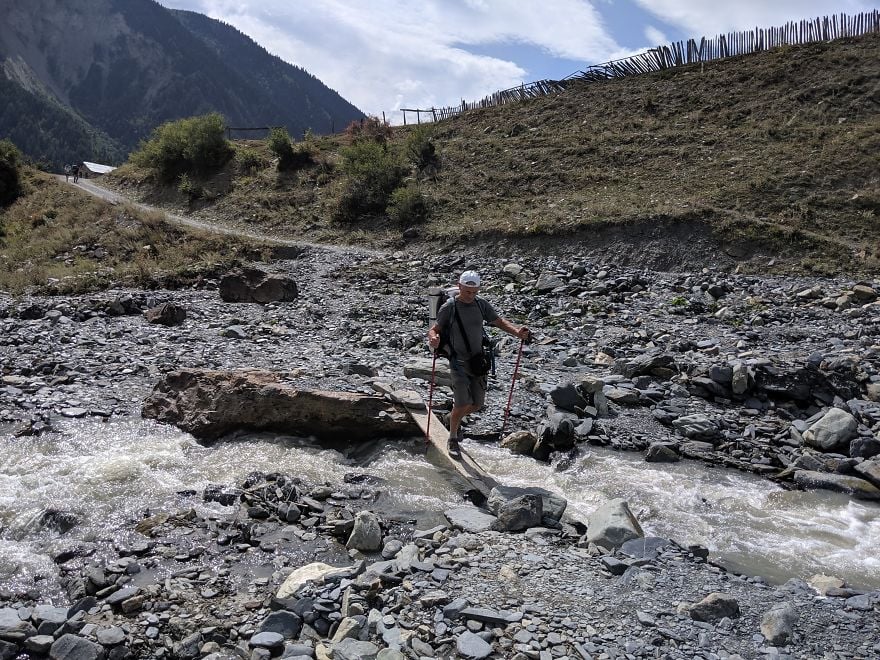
{"x":188,"y":187}
{"x":408,"y":205}
{"x":373,"y":172}
{"x":10,"y":176}
{"x":420,"y":150}
{"x":248,"y":160}
{"x":196,"y":145}
{"x":288,"y":157}
{"x":371,"y":129}
{"x":279,"y":144}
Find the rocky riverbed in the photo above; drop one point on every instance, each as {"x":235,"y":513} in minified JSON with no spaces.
{"x":776,"y":376}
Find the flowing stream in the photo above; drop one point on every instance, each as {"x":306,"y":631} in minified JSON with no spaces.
{"x":109,"y":474}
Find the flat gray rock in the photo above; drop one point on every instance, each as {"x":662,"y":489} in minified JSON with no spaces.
{"x":469,"y":519}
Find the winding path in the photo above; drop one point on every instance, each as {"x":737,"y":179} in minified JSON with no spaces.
{"x":187,"y":221}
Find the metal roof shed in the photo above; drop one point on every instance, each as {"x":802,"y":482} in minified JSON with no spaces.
{"x":95,"y":169}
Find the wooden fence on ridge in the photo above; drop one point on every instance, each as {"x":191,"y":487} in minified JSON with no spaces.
{"x":680,"y":53}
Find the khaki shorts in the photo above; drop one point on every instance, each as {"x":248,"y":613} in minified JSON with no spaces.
{"x":467,"y":389}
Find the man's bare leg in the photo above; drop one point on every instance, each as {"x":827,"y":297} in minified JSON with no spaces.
{"x":456,"y":415}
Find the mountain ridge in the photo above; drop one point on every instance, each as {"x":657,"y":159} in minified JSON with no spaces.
{"x":125,"y":66}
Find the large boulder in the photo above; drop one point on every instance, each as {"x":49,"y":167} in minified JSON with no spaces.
{"x":425,"y":368}
{"x":870,"y":470}
{"x":166,"y":314}
{"x":715,"y":607}
{"x":520,"y":513}
{"x":556,"y":433}
{"x":520,"y":442}
{"x":552,"y":505}
{"x":568,"y":398}
{"x":252,"y":285}
{"x":778,"y":623}
{"x":73,"y":647}
{"x":367,"y":533}
{"x":316,"y":572}
{"x":697,"y":427}
{"x":210,"y":404}
{"x":657,"y":364}
{"x":470,"y":519}
{"x":806,"y":384}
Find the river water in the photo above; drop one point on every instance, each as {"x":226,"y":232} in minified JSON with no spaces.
{"x":109,"y":474}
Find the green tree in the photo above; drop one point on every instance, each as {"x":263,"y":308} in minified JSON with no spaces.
{"x":196,"y":145}
{"x":407,"y":205}
{"x":10,"y":174}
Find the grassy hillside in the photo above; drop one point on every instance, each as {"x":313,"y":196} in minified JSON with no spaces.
{"x":59,"y":239}
{"x":769,"y":155}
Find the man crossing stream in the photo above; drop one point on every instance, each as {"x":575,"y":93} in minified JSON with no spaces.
{"x":458,"y":334}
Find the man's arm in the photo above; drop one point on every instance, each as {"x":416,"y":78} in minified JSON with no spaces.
{"x":434,"y":336}
{"x":519,"y":331}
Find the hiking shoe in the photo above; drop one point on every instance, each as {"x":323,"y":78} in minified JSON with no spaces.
{"x":452,"y":448}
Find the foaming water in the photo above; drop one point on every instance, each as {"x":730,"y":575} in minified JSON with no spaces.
{"x":750,"y":524}
{"x":109,"y":474}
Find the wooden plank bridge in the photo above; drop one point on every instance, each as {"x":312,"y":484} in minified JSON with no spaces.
{"x":479,"y":482}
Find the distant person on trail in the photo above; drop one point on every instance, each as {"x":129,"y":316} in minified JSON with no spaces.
{"x":75,"y":170}
{"x":459,"y":330}
{"x":67,"y":172}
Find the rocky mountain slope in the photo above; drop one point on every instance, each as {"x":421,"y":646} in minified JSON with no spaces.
{"x":88,"y":80}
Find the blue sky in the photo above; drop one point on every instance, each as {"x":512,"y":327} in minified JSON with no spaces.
{"x":383,"y":55}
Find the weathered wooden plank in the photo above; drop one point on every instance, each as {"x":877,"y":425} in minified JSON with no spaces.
{"x":473,"y":474}
{"x":465,"y":467}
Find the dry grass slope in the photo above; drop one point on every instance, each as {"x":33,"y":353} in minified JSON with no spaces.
{"x":768,"y":155}
{"x":62,"y":240}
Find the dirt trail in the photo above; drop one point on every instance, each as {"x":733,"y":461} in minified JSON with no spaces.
{"x":115,"y":198}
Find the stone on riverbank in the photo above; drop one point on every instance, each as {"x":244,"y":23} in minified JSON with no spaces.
{"x":210,"y":404}
{"x":315,"y":572}
{"x":612,"y":524}
{"x":166,"y":314}
{"x":715,"y":607}
{"x":367,"y":534}
{"x":777,"y":626}
{"x":833,"y":430}
{"x":839,"y":483}
{"x":252,"y":285}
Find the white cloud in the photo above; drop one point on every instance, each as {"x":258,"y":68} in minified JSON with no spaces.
{"x":655,"y":37}
{"x":706,"y":19}
{"x":386,"y":54}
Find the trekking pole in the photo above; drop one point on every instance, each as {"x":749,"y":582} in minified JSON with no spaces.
{"x":430,"y":399}
{"x":512,"y":383}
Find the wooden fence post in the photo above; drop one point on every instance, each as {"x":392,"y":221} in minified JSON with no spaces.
{"x":678,"y":54}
